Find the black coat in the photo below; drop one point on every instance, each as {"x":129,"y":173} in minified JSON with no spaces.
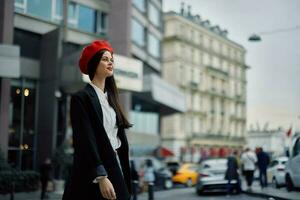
{"x":232,"y":168}
{"x":93,"y":148}
{"x":263,"y":160}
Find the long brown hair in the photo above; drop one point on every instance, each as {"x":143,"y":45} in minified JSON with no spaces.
{"x":110,"y":88}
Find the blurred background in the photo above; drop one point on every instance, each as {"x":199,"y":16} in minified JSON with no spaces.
{"x":199,"y":79}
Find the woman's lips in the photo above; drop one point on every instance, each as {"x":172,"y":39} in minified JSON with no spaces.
{"x":110,"y":68}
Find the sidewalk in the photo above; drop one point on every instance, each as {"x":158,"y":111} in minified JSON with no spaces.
{"x":278,"y":194}
{"x":31,"y":196}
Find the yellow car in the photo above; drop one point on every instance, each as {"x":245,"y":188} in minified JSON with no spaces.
{"x":187,"y":174}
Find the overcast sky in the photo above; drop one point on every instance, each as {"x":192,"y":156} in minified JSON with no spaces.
{"x":274,"y":78}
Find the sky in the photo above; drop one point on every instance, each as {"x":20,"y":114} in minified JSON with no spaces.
{"x":273,"y":88}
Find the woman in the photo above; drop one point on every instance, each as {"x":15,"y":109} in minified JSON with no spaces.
{"x":101,"y":164}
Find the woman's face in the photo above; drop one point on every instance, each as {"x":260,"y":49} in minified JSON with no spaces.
{"x":106,"y":65}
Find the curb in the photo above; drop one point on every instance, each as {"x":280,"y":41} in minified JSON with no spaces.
{"x":258,"y":194}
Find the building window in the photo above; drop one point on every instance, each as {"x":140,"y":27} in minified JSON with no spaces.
{"x":153,"y":46}
{"x":86,"y":19}
{"x":40,"y":8}
{"x":72,"y":14}
{"x":145,"y":122}
{"x":138,"y":33}
{"x":20,"y":6}
{"x":102,"y":22}
{"x":79,"y":16}
{"x":140,"y":4}
{"x":154,"y":15}
{"x":57,"y":14}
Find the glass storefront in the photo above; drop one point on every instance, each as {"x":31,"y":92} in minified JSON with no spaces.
{"x":22,"y":124}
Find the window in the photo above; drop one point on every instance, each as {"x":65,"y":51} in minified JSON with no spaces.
{"x":86,"y":19}
{"x":153,"y":46}
{"x":40,"y":8}
{"x":20,"y":6}
{"x":138,"y":33}
{"x":154,"y":15}
{"x":145,"y":122}
{"x":140,"y":4}
{"x":57,"y":6}
{"x":72,"y":14}
{"x":79,"y":16}
{"x":296,"y":149}
{"x":102,"y":22}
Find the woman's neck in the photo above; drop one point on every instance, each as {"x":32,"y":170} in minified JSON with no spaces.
{"x":100,"y":83}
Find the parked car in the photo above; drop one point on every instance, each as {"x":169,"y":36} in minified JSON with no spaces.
{"x":163,"y":176}
{"x":276,"y":171}
{"x":186,"y":174}
{"x":212,"y":175}
{"x":292,"y":176}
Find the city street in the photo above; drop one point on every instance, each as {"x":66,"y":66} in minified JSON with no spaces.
{"x":190,"y":194}
{"x":179,"y":97}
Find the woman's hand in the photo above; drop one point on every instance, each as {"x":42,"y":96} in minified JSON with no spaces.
{"x":107,"y":189}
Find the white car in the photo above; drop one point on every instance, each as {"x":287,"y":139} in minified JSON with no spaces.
{"x":292,"y":176}
{"x":276,"y":171}
{"x":212,"y":176}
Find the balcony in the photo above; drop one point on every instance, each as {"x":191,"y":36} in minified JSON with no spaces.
{"x":217,"y":72}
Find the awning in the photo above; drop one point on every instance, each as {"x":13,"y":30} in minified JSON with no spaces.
{"x":157,"y":91}
{"x":163,"y":152}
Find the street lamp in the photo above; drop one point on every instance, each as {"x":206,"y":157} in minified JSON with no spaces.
{"x":256,"y":37}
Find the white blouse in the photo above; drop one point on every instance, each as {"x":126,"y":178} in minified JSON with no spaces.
{"x":109,"y":118}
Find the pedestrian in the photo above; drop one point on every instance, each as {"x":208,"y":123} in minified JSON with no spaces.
{"x":101,"y":154}
{"x":249,"y":160}
{"x":263,"y":160}
{"x":45,"y":177}
{"x":232,"y":174}
{"x":149,"y":178}
{"x":135,"y":180}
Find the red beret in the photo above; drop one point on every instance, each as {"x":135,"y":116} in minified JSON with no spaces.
{"x":89,"y":51}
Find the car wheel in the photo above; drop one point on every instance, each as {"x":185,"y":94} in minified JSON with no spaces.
{"x":275,"y":183}
{"x":168,"y":184}
{"x":289,"y":183}
{"x":189,"y":183}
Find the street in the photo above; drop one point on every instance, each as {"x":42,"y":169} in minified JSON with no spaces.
{"x":190,"y":194}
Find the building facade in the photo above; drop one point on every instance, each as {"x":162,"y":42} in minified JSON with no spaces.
{"x":42,"y":72}
{"x":136,"y":30}
{"x":41,"y":42}
{"x":210,"y":70}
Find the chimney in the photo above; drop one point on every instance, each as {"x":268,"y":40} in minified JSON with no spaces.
{"x":189,"y":11}
{"x":182,"y":9}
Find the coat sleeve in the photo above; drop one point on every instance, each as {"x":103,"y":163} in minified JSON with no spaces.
{"x":84,"y":137}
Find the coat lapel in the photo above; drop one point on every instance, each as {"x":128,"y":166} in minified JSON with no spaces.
{"x":95,"y":101}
